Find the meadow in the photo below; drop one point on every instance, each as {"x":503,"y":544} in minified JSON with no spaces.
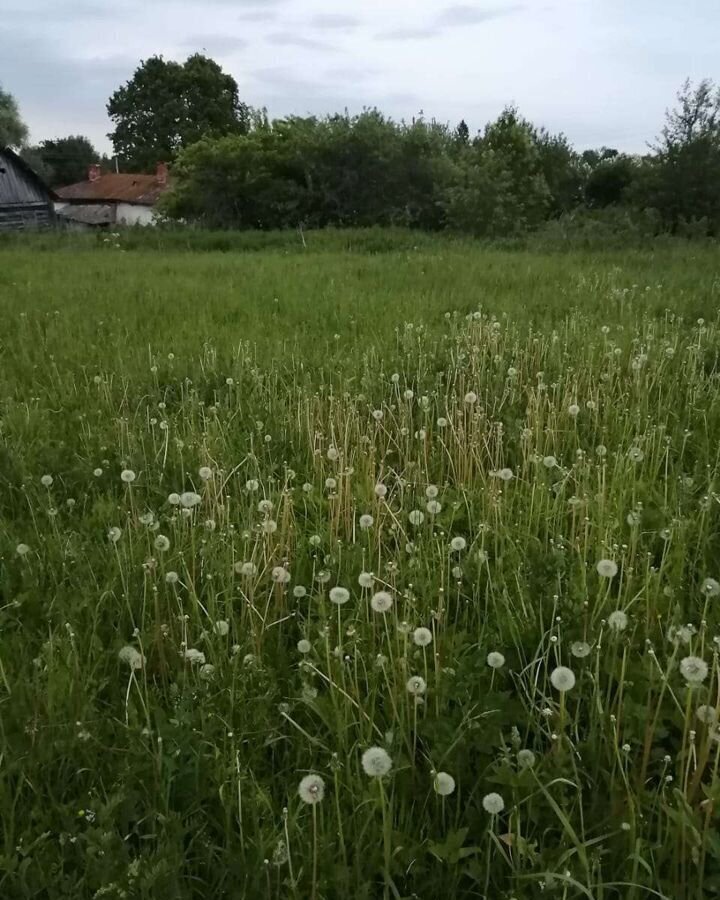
{"x":359,"y":571}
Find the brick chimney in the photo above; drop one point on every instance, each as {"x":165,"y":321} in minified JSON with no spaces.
{"x":94,"y":173}
{"x":162,"y":173}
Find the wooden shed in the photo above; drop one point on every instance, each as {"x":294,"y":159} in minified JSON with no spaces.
{"x":26,"y":202}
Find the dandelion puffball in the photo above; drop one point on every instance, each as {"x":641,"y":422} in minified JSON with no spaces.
{"x":188,"y":499}
{"x":280,"y":575}
{"x":22,"y":549}
{"x":422,"y":637}
{"x":618,"y":620}
{"x":562,"y":679}
{"x":416,"y":685}
{"x":495,"y":660}
{"x":162,"y":543}
{"x":381,"y":601}
{"x":195,"y":657}
{"x":46,"y":481}
{"x":366,"y":521}
{"x":580,"y":649}
{"x":416,"y":517}
{"x":707,"y":715}
{"x":526,"y":759}
{"x":304,"y":646}
{"x":339,"y":595}
{"x":311,"y":789}
{"x":128,"y":476}
{"x":710,"y":587}
{"x":131,"y":657}
{"x":693,"y":669}
{"x":376,"y":762}
{"x":443,"y":784}
{"x":205,"y":472}
{"x":493,"y":803}
{"x":366,"y":579}
{"x":607,"y":568}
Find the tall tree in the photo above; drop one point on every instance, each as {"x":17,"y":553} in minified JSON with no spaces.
{"x":13,"y":131}
{"x":168,"y":105}
{"x":63,"y":161}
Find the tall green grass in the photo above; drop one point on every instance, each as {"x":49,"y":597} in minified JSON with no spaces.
{"x":172,"y":667}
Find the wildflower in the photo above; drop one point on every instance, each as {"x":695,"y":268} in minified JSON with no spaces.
{"x":505,"y":474}
{"x":222,"y":627}
{"x":493,"y":803}
{"x":171,"y":577}
{"x":195,"y":657}
{"x":205,"y":472}
{"x":315,"y":540}
{"x":188,"y":499}
{"x":433,"y":507}
{"x":601,"y":450}
{"x":299,"y":592}
{"x":207,"y":670}
{"x":526,"y":759}
{"x":131,"y":657}
{"x":409,"y":394}
{"x":380,"y":490}
{"x":46,"y":481}
{"x":693,"y":669}
{"x":147,"y":518}
{"x":22,"y":549}
{"x":470,"y":398}
{"x":707,"y":715}
{"x":174,"y":499}
{"x":562,"y":679}
{"x":114,"y":534}
{"x":265,"y":507}
{"x":607,"y":568}
{"x":580,"y":649}
{"x":247,"y":569}
{"x":311,"y":789}
{"x":416,"y":685}
{"x":97,"y":472}
{"x":269,"y":526}
{"x":549,"y":462}
{"x":280,"y":575}
{"x":304,"y":646}
{"x":381,"y":602}
{"x":366,"y":521}
{"x":618,"y":620}
{"x":495,"y":660}
{"x":377,"y":414}
{"x":458,"y":544}
{"x":441,"y":422}
{"x":635,"y":454}
{"x":416,"y":517}
{"x":331,"y":483}
{"x":422,"y":637}
{"x":332,"y":454}
{"x":252,"y":485}
{"x":633,"y":518}
{"x":573,"y":410}
{"x":710,"y":587}
{"x":376,"y":762}
{"x":366,"y":579}
{"x":162,"y":543}
{"x":307,"y":487}
{"x":128,"y":476}
{"x":431,"y":491}
{"x":323,"y":576}
{"x":457,"y":572}
{"x":339,"y":595}
{"x":443,"y":784}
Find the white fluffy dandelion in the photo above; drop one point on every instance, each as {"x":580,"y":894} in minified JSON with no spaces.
{"x":205,"y":472}
{"x":434,"y":507}
{"x":471,"y":398}
{"x":128,"y":476}
{"x":710,"y":587}
{"x":162,"y":543}
{"x":618,"y":620}
{"x":431,"y":491}
{"x":299,"y":591}
{"x":304,"y":646}
{"x":707,"y":715}
{"x":174,"y":499}
{"x":457,"y":544}
{"x":607,"y":568}
{"x":114,"y":534}
{"x":443,"y":784}
{"x":171,"y":577}
{"x":381,"y":490}
{"x":188,"y":499}
{"x":376,"y":762}
{"x":416,"y":685}
{"x":265,"y":507}
{"x":366,"y":579}
{"x":693,"y":669}
{"x":311,"y":789}
{"x":495,"y":660}
{"x":252,"y":485}
{"x":97,"y":472}
{"x":526,"y":759}
{"x":549,"y":462}
{"x":332,"y":454}
{"x":422,"y":637}
{"x":22,"y":549}
{"x":562,"y":679}
{"x":381,"y":601}
{"x":280,"y":575}
{"x":131,"y":657}
{"x":580,"y":649}
{"x":339,"y":595}
{"x":269,"y":526}
{"x":506,"y":474}
{"x":222,"y":627}
{"x":366,"y":521}
{"x":573,"y":410}
{"x":416,"y":517}
{"x":635,"y":454}
{"x":46,"y":481}
{"x":493,"y":803}
{"x":194,"y":657}
{"x":246,"y":569}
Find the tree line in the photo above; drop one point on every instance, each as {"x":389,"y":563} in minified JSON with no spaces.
{"x":233,"y":167}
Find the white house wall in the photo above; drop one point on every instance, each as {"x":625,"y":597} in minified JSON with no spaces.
{"x":132,"y":214}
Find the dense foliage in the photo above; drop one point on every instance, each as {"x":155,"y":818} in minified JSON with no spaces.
{"x":442,"y":513}
{"x":510,"y":179}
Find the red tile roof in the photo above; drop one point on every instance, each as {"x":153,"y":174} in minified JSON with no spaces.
{"x":141,"y":189}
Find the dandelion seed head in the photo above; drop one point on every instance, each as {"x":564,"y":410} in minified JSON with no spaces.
{"x":416,"y":517}
{"x":22,"y":549}
{"x":526,"y":759}
{"x":433,"y":507}
{"x":189,"y":499}
{"x":381,"y":490}
{"x":495,"y":660}
{"x":311,"y":789}
{"x":493,"y":804}
{"x":580,"y":649}
{"x":128,"y":476}
{"x":457,"y":544}
{"x":562,"y":679}
{"x":376,"y":762}
{"x":339,"y":595}
{"x":131,"y":657}
{"x":280,"y":575}
{"x":46,"y":481}
{"x":162,"y":543}
{"x":443,"y":784}
{"x":416,"y":685}
{"x":607,"y":568}
{"x":366,"y":579}
{"x":366,"y":521}
{"x":194,"y":657}
{"x":422,"y":637}
{"x":710,"y":587}
{"x":618,"y":620}
{"x":114,"y":534}
{"x":381,"y":601}
{"x":299,"y":591}
{"x":707,"y":715}
{"x":693,"y":669}
{"x":222,"y":627}
{"x":205,"y":472}
{"x":171,"y":577}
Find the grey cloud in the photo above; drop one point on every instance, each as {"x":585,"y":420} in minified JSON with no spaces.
{"x":290,"y":39}
{"x":260,"y":15}
{"x":334,"y":22}
{"x":461,"y":14}
{"x":407,"y":34}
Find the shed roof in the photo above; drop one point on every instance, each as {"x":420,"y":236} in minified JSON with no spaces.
{"x":27,"y":171}
{"x":144,"y":190}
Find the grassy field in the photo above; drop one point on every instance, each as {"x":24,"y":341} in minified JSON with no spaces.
{"x":337,"y":573}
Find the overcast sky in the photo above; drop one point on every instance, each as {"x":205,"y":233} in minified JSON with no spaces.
{"x":602,"y":71}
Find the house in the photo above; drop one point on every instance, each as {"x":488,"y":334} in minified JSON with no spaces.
{"x":111,"y":198}
{"x":26,"y":202}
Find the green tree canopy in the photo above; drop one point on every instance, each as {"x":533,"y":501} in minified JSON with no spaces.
{"x":167,"y":106}
{"x":13,"y":131}
{"x":63,"y":161}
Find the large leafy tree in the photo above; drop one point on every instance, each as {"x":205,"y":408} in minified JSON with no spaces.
{"x":167,"y":106}
{"x":62,"y":161}
{"x":13,"y":131}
